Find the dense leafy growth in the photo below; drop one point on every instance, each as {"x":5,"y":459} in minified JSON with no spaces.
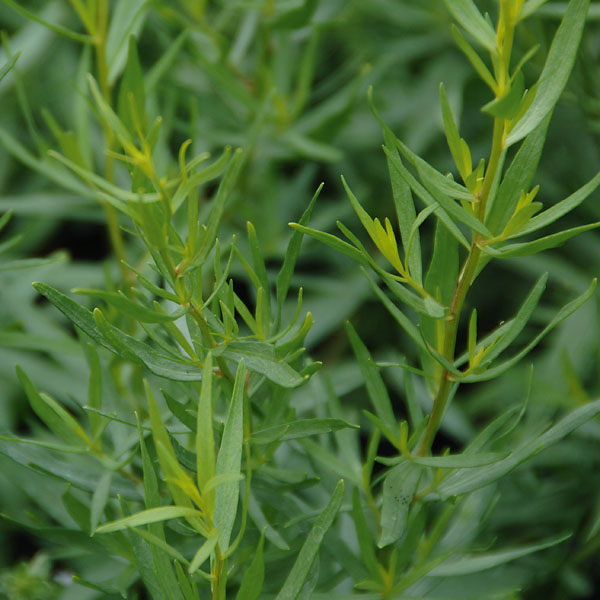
{"x":200,"y":401}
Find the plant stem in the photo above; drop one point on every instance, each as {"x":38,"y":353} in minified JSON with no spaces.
{"x":466,"y":277}
{"x":112,"y":221}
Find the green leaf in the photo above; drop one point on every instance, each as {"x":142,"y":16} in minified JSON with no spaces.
{"x":126,"y":20}
{"x":406,"y":214}
{"x":131,"y":102}
{"x":399,"y":488}
{"x":291,"y":255}
{"x":376,"y":389}
{"x":252,"y":582}
{"x":557,"y":69}
{"x":561,"y":208}
{"x":165,"y":62}
{"x":403,"y":201}
{"x":441,"y":188}
{"x":475,"y":563}
{"x":95,"y":390}
{"x":516,"y":325}
{"x":79,"y":37}
{"x":205,"y":550}
{"x":560,"y":316}
{"x":460,"y":461}
{"x":229,"y":461}
{"x":179,"y":482}
{"x":539,"y":245}
{"x":462,"y":160}
{"x":99,"y":499}
{"x":367,"y":552}
{"x":297,"y":576}
{"x":135,"y":350}
{"x":299,"y":428}
{"x":333,"y":242}
{"x":129,"y":307}
{"x":468,"y":15}
{"x":329,"y":460}
{"x":53,"y":414}
{"x":152,"y":515}
{"x":205,"y":443}
{"x":261,"y":358}
{"x":151,"y":491}
{"x":409,"y":327}
{"x":518,"y":177}
{"x":8,"y":65}
{"x":218,"y":206}
{"x":427,"y":198}
{"x":474,"y":58}
{"x":32,"y":263}
{"x":508,"y":105}
{"x":465,"y":481}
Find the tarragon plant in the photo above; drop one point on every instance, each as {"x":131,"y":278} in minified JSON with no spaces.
{"x":200,"y":452}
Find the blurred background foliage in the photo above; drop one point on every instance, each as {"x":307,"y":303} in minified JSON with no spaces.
{"x":286,"y":80}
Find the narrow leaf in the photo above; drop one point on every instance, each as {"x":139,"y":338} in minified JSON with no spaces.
{"x":399,"y":488}
{"x":152,"y":515}
{"x":375,"y":387}
{"x":557,"y":69}
{"x":476,"y":563}
{"x":229,"y":461}
{"x":295,"y":580}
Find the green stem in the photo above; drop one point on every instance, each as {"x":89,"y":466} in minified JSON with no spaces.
{"x":112,"y":221}
{"x":466,"y":277}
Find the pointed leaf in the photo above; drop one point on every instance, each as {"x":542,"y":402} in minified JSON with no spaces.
{"x":297,"y":576}
{"x":261,"y":358}
{"x":557,"y":69}
{"x":229,"y":461}
{"x":153,"y":515}
{"x":375,"y":387}
{"x":399,"y":488}
{"x":468,"y":15}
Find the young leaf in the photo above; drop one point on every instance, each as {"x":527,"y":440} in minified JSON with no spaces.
{"x":462,"y":162}
{"x":405,"y":212}
{"x":297,"y":576}
{"x":561,"y":208}
{"x":229,"y":461}
{"x":427,"y":198}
